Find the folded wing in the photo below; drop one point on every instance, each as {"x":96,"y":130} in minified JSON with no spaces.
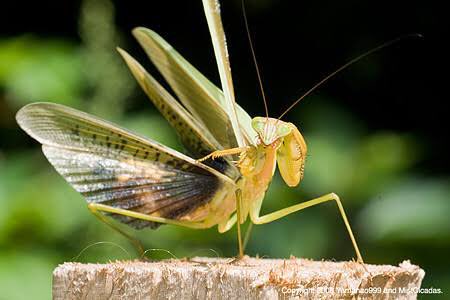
{"x":205,"y":101}
{"x":195,"y":136}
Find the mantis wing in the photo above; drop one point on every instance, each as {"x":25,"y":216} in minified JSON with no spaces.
{"x":200,"y":96}
{"x":212,"y":12}
{"x":196,"y":138}
{"x":112,"y":166}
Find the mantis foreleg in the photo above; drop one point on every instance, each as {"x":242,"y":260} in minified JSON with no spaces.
{"x":220,"y":153}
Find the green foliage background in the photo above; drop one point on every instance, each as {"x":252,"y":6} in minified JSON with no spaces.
{"x":397,"y":213}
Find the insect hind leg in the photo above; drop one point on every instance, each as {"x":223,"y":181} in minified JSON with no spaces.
{"x":235,"y":219}
{"x":238,"y":216}
{"x":97,"y":209}
{"x":136,"y":243}
{"x":254,"y":216}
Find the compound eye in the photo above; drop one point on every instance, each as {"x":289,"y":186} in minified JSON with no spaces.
{"x":258,"y":124}
{"x":283,"y":130}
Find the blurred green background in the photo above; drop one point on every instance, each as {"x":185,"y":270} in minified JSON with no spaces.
{"x":376,"y":133}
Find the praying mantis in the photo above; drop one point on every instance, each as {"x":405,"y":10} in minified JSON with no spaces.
{"x":142,"y":183}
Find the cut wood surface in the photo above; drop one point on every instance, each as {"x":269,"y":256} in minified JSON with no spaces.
{"x":225,"y":278}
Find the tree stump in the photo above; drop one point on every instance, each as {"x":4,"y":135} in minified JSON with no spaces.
{"x":248,"y":278}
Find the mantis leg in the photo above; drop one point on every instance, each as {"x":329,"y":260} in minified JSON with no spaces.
{"x":234,"y":219}
{"x":96,"y":209}
{"x":105,"y":220}
{"x":224,"y":227}
{"x":238,"y":215}
{"x":220,"y":153}
{"x":247,"y":234}
{"x":141,"y":216}
{"x":254,"y":215}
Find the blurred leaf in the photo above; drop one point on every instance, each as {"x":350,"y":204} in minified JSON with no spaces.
{"x":329,"y":166}
{"x":381,"y":158}
{"x":357,"y":170}
{"x":26,"y":275}
{"x":34,"y":69}
{"x":109,"y":81}
{"x":302,"y":234}
{"x":388,"y":152}
{"x":47,"y":211}
{"x":415,"y":209}
{"x":332,"y":136}
{"x":320,"y":116}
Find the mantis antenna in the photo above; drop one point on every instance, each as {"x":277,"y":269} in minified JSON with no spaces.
{"x":254,"y":59}
{"x":349,"y":63}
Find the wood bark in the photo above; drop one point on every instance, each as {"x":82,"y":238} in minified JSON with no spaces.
{"x":248,"y":278}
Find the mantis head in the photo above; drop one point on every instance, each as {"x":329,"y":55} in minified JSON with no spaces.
{"x":269,"y":130}
{"x":291,"y":149}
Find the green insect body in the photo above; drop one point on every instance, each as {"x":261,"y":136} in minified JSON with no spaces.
{"x":231,"y":158}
